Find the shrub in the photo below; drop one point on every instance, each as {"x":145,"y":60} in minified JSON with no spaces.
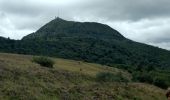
{"x":110,"y":77}
{"x":44,"y":61}
{"x":149,"y":68}
{"x":160,"y":83}
{"x":142,"y":77}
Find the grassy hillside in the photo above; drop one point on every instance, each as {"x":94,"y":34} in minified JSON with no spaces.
{"x":21,"y":79}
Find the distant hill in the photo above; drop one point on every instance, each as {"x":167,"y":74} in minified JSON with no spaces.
{"x":88,"y":41}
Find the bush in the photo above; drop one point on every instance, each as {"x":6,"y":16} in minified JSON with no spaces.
{"x":160,"y":83}
{"x":44,"y":61}
{"x":151,"y":79}
{"x":142,"y":77}
{"x":110,"y":77}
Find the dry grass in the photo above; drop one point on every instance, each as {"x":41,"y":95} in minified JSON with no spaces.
{"x":22,"y":79}
{"x":24,"y":61}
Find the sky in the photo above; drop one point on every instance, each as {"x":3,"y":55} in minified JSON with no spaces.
{"x":146,"y":21}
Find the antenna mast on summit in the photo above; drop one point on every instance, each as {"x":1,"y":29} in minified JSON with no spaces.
{"x":58,"y":16}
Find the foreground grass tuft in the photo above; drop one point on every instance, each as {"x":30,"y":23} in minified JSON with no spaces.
{"x":110,"y":77}
{"x":44,"y":61}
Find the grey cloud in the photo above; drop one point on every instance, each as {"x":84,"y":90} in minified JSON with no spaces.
{"x":133,"y":10}
{"x":139,"y":9}
{"x":155,"y":31}
{"x":165,"y":45}
{"x":21,"y":8}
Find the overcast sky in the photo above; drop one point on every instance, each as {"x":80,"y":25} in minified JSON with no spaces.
{"x":146,"y":21}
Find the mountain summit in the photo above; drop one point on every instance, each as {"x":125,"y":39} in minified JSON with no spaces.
{"x":67,"y":29}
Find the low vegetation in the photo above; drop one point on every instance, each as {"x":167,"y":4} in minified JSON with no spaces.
{"x":149,"y":75}
{"x":21,"y":79}
{"x":43,"y":61}
{"x":110,"y":77}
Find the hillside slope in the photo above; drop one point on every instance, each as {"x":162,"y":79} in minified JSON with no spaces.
{"x":21,"y":79}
